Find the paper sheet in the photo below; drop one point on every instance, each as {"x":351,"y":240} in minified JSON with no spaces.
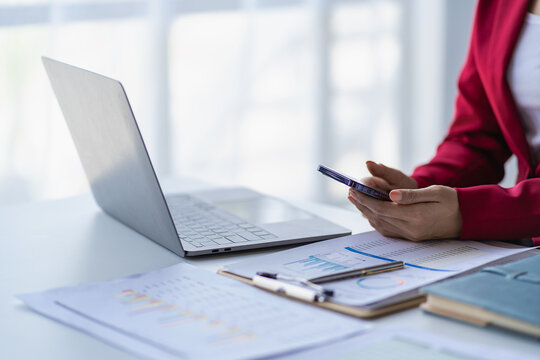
{"x":426,"y":262}
{"x":406,"y":344}
{"x":185,"y":312}
{"x":45,"y":304}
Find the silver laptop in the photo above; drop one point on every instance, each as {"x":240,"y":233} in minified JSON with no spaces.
{"x":125,"y":185}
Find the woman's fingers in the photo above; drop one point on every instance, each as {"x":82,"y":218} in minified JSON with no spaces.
{"x":430,"y":213}
{"x":382,"y":208}
{"x":412,"y":196}
{"x":382,"y":171}
{"x":382,"y":225}
{"x":393,"y":176}
{"x":376,"y":183}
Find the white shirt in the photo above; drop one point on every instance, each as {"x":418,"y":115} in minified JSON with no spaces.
{"x":524,"y":80}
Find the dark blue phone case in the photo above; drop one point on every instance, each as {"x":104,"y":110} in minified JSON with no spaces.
{"x":355,"y":184}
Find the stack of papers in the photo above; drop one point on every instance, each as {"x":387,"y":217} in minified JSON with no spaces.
{"x":407,"y":344}
{"x":185,"y":312}
{"x":425,"y":263}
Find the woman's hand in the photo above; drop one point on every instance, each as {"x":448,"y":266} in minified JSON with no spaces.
{"x":414,"y":214}
{"x":386,"y":179}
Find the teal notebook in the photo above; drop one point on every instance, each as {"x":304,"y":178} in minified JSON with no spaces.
{"x":506,"y":296}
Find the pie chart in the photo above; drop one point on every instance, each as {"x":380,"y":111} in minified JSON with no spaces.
{"x":380,"y":282}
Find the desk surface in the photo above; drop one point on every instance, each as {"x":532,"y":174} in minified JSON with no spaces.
{"x":66,"y":242}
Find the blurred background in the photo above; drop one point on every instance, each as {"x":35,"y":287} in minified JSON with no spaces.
{"x":248,"y":92}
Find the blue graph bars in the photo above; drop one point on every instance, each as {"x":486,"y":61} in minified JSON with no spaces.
{"x":315,"y":263}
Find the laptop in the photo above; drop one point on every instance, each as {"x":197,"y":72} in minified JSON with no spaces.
{"x":125,"y":186}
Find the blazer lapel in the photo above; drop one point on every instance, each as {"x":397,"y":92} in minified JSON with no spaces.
{"x":507,"y":27}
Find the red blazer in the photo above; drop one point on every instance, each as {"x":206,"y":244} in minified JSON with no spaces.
{"x":485,"y":131}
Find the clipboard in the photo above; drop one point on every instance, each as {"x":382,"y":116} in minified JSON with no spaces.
{"x":359,"y":312}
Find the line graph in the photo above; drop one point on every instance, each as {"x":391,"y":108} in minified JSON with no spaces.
{"x":387,"y":259}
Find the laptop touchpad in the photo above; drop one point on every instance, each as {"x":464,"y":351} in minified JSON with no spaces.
{"x":263,"y":210}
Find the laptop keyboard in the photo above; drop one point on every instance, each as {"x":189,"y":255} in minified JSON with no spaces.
{"x":203,"y":225}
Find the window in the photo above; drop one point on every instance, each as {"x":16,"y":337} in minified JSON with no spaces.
{"x":253,"y":92}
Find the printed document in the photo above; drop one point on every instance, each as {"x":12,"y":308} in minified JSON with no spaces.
{"x":407,"y":344}
{"x":425,"y":262}
{"x":186,"y":312}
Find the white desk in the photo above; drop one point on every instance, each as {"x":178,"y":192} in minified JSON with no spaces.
{"x":66,"y":242}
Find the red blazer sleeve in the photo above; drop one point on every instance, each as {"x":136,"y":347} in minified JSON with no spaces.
{"x":474,"y":150}
{"x":471,"y":157}
{"x":493,"y":212}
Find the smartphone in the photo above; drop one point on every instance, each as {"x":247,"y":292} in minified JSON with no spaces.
{"x":355,"y":184}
